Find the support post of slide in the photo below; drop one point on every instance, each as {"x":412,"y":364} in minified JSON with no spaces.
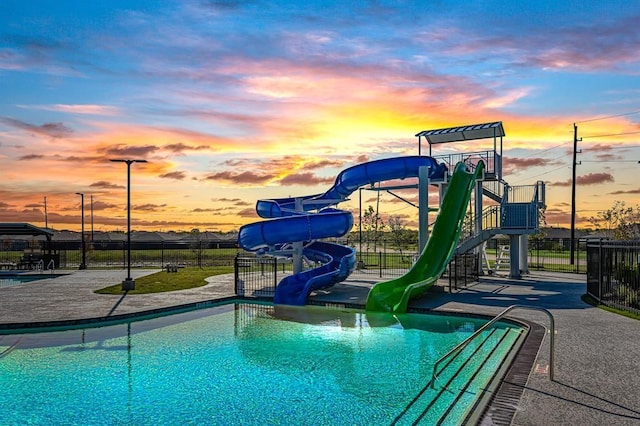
{"x":524,"y":251}
{"x":477,"y":223}
{"x":514,"y":256}
{"x":298,"y":245}
{"x":423,"y":207}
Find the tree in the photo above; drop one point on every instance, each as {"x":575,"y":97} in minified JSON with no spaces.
{"x":400,"y":235}
{"x":373,"y":227}
{"x":619,"y":222}
{"x":196,"y":244}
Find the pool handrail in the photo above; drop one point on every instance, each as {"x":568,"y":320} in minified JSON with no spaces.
{"x":464,"y":343}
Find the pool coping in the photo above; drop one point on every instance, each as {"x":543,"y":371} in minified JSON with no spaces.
{"x":45,"y":326}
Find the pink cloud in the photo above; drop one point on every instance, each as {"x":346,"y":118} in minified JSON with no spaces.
{"x":178,"y":175}
{"x":308,"y":179}
{"x":588,"y":179}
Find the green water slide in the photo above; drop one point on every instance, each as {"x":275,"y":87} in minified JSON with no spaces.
{"x":394,"y":295}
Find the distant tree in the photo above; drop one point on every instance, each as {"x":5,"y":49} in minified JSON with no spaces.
{"x":619,"y":222}
{"x":542,"y":229}
{"x":399,"y":235}
{"x":373,"y":228}
{"x":196,"y":244}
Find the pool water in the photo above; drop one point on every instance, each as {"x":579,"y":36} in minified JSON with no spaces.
{"x":11,"y":280}
{"x":246,"y":363}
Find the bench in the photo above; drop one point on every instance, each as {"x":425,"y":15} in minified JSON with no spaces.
{"x":173,"y":267}
{"x":7,"y":265}
{"x":30,"y":259}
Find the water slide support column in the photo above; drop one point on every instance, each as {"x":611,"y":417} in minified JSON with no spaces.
{"x":477,"y":223}
{"x":298,"y":245}
{"x":514,"y":256}
{"x":423,"y":207}
{"x":524,"y":250}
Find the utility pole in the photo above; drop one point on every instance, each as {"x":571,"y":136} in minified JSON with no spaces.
{"x":573,"y":195}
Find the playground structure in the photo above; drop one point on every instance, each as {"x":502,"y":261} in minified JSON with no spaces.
{"x":295,"y":226}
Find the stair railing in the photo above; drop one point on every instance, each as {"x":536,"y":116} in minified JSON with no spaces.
{"x":464,"y":343}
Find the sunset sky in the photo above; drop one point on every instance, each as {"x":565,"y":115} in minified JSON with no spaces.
{"x":232,"y":101}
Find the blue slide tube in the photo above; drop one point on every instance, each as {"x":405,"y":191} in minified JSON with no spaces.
{"x":286,"y":225}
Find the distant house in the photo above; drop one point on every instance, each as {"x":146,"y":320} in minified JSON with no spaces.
{"x":560,"y":238}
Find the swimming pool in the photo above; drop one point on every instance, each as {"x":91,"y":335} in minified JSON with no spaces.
{"x":251,"y":363}
{"x":7,"y":280}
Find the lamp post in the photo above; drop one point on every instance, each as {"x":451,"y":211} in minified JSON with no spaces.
{"x":91,"y":218}
{"x":83,"y":265}
{"x":128,"y":283}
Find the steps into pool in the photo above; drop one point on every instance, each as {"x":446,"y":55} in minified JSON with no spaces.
{"x":463,"y":380}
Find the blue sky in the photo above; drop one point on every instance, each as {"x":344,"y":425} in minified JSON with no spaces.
{"x":232,"y":101}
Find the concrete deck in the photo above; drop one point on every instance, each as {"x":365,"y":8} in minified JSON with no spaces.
{"x":597,"y":377}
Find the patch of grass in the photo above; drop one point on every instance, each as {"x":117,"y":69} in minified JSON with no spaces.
{"x":185,"y":278}
{"x":593,"y":302}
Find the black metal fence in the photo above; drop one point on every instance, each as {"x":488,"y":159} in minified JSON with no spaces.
{"x":613,"y":273}
{"x":258,"y":276}
{"x":462,"y":271}
{"x":547,"y":255}
{"x":113,"y":254}
{"x":384,"y":264}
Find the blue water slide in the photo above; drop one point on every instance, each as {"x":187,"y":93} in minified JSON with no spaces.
{"x":349,"y":180}
{"x":338,"y":262}
{"x":291,"y":221}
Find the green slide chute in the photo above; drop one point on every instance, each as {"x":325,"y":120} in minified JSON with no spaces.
{"x":394,"y":295}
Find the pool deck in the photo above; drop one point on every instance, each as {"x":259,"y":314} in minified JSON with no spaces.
{"x":597,"y":373}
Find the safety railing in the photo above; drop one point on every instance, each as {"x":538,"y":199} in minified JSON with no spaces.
{"x":490,"y":158}
{"x":494,"y":189}
{"x":464,"y":343}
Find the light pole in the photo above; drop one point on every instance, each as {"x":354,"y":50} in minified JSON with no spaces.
{"x":128,"y":283}
{"x":83,"y":265}
{"x":91,"y":218}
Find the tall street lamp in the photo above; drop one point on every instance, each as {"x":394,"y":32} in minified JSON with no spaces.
{"x":83,"y":265}
{"x":128,"y":283}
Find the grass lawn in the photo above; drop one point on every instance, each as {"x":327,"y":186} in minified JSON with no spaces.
{"x":185,"y":278}
{"x":593,"y":302}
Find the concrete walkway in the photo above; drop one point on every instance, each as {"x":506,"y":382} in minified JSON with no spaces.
{"x":597,"y":379}
{"x":72,"y":297}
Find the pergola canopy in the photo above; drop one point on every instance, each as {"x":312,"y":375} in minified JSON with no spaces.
{"x":23,"y":229}
{"x":463,"y":133}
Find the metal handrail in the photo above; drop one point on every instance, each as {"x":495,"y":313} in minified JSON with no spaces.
{"x":51,"y":266}
{"x":465,"y":342}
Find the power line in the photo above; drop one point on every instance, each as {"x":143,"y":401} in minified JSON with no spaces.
{"x":541,"y":174}
{"x":612,"y":134}
{"x":609,"y":161}
{"x":546,"y":150}
{"x":610,"y":116}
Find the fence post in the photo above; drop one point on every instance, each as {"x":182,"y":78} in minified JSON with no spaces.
{"x":380,"y":263}
{"x":236,"y":274}
{"x":275,"y":272}
{"x":464,"y":260}
{"x":599,"y":270}
{"x":576,"y":268}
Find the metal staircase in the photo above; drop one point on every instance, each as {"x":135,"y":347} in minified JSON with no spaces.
{"x":518,"y":213}
{"x":502,"y":259}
